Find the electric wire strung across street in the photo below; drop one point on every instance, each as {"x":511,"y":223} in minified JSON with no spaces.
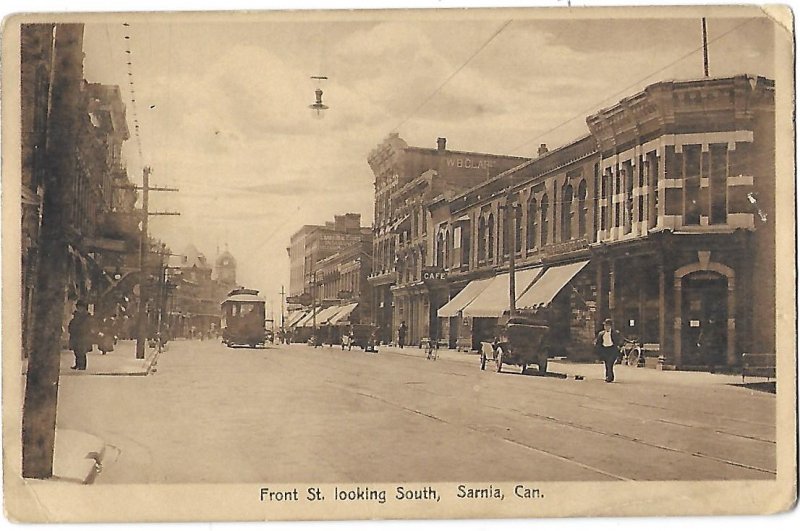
{"x":595,"y":106}
{"x":451,"y":76}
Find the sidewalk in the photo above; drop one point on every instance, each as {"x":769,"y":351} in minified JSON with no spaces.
{"x":77,"y":457}
{"x":585,"y":369}
{"x":120,"y":362}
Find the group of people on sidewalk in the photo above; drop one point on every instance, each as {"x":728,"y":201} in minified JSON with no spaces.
{"x":85,"y":332}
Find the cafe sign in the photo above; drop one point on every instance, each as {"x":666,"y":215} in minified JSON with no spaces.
{"x":434,"y":274}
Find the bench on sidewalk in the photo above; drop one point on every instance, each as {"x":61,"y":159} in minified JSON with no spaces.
{"x":758,"y":364}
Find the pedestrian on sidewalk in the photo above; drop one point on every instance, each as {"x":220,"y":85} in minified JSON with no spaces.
{"x":105,"y":337}
{"x":607,"y":346}
{"x":80,"y":334}
{"x":401,"y":334}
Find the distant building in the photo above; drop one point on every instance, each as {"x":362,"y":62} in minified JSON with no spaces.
{"x":313,"y":243}
{"x":197,"y":291}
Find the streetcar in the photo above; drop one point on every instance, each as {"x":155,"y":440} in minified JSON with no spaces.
{"x":243,"y":319}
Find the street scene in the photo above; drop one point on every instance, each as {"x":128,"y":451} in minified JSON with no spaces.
{"x":490,"y":250}
{"x":293,"y":414}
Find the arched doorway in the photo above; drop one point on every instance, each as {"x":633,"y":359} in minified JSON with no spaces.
{"x":704,"y":315}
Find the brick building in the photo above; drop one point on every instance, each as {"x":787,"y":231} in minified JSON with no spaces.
{"x":406,"y":179}
{"x":662,"y":218}
{"x":100,"y":219}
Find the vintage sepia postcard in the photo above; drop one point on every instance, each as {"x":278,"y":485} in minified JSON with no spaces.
{"x":398,"y":264}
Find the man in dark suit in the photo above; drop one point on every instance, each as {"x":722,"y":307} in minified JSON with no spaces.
{"x":80,"y":335}
{"x":607,"y":346}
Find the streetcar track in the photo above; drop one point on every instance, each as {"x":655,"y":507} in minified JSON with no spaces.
{"x":643,"y":442}
{"x":577,"y":426}
{"x":491,"y":434}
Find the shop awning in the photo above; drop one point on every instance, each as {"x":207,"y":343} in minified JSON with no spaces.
{"x":464,"y":297}
{"x":308,"y":319}
{"x":549,"y":285}
{"x":325,"y":315}
{"x":493,"y":300}
{"x":343,"y":315}
{"x":294,"y":317}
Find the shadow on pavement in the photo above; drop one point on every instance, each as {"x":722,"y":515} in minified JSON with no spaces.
{"x":764,"y":387}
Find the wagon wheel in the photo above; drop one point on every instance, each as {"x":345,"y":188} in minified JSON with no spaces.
{"x":498,"y":358}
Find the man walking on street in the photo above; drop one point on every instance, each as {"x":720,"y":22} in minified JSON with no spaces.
{"x":607,"y":346}
{"x":401,"y":334}
{"x":80,"y":334}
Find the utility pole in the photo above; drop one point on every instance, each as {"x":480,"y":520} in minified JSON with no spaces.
{"x":705,"y":48}
{"x":283,"y":299}
{"x":41,"y":389}
{"x":512,"y":250}
{"x":314,"y":305}
{"x":144,"y":250}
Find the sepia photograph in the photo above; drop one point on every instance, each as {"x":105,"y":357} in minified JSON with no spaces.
{"x":398,"y":264}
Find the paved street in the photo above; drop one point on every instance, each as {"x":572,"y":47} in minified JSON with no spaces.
{"x":298,"y":414}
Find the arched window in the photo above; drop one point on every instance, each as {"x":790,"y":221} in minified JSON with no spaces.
{"x":543,"y":208}
{"x":583,"y":209}
{"x":490,"y":239}
{"x":482,"y":239}
{"x":566,"y":214}
{"x":532,"y":222}
{"x":518,"y":229}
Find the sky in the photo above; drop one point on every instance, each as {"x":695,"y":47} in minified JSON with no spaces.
{"x":223,"y":104}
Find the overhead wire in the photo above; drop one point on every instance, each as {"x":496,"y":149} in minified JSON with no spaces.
{"x":624,"y":90}
{"x":451,"y":76}
{"x":132,"y":91}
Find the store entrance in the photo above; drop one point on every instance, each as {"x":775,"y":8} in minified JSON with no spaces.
{"x":704,"y":335}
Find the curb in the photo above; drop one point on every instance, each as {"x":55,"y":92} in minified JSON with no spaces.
{"x":149,"y":367}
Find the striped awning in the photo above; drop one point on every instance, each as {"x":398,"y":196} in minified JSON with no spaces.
{"x":545,"y":289}
{"x":343,"y":315}
{"x":464,"y":297}
{"x":493,"y":300}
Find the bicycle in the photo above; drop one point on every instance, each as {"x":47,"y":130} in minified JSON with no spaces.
{"x":631,"y":353}
{"x":431,"y":350}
